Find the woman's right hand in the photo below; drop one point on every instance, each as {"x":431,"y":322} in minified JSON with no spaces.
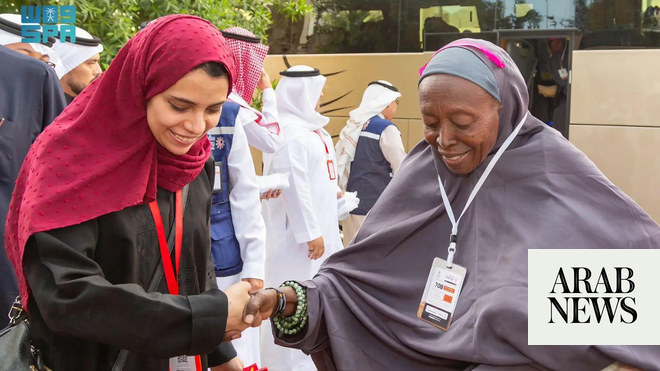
{"x":237,"y":298}
{"x":316,"y":248}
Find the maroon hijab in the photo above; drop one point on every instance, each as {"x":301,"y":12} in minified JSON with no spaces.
{"x":99,"y":156}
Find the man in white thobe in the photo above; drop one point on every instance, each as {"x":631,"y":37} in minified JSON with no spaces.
{"x":302,"y":225}
{"x":261,"y":130}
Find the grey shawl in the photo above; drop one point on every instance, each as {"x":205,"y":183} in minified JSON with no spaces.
{"x":542,"y":194}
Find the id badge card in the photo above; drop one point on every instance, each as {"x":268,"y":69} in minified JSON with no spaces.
{"x":183,"y":363}
{"x":563,"y":73}
{"x":441,"y":294}
{"x":217,"y":180}
{"x":331,"y":169}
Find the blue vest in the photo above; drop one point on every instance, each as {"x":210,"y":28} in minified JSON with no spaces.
{"x":370,"y":171}
{"x":225,"y":249}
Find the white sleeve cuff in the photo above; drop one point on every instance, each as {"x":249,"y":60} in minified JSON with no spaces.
{"x":306,"y":236}
{"x":253,"y":270}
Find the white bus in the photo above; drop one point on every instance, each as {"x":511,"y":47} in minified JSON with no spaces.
{"x":610,"y":51}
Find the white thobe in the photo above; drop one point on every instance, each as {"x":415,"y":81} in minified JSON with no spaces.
{"x":305,"y":211}
{"x":249,"y":228}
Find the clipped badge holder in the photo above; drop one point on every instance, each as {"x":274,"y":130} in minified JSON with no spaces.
{"x":331,"y":170}
{"x":217,"y":179}
{"x":563,"y":73}
{"x":441,"y":294}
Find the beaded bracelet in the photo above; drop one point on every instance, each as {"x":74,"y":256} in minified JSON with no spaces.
{"x":281,"y":302}
{"x":292,"y":325}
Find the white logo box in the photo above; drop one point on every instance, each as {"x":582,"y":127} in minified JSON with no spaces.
{"x":543,"y":269}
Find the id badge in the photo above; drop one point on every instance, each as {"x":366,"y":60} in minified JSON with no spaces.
{"x":563,"y":73}
{"x":217,"y":180}
{"x":331,"y":170}
{"x":441,"y":294}
{"x":182,"y":363}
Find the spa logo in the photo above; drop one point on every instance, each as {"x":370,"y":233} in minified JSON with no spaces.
{"x":580,"y":296}
{"x":42,"y":22}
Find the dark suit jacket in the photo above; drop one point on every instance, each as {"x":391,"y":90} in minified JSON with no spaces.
{"x":30,"y":98}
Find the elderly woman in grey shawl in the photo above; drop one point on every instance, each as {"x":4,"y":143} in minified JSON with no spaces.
{"x":360,"y":311}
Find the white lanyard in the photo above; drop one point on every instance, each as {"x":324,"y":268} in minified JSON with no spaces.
{"x":454,"y":223}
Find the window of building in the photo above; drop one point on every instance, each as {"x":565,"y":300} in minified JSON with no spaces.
{"x":385,"y":26}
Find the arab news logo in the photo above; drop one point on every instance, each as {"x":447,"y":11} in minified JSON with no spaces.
{"x":42,"y":22}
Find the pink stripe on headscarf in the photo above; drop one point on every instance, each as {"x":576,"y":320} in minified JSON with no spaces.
{"x":494,"y":58}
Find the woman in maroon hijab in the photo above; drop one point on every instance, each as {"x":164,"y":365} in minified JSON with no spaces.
{"x":108,"y":225}
{"x":514,"y":184}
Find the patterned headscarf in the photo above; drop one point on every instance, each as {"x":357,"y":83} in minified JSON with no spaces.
{"x":99,"y":156}
{"x":249,"y":56}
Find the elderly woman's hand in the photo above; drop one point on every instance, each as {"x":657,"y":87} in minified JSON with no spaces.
{"x":261,"y":306}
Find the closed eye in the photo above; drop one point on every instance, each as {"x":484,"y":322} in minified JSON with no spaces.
{"x":461,"y":125}
{"x":430,"y":126}
{"x":462,"y":120}
{"x":177,"y":108}
{"x":216,"y":108}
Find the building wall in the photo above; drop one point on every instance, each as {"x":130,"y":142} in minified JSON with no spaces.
{"x":355,"y":72}
{"x":615,"y":107}
{"x":615,"y":119}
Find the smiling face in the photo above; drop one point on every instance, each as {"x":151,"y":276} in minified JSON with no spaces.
{"x":460,"y":120}
{"x":182,"y":114}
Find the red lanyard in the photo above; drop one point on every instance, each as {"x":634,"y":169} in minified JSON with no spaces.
{"x":327,"y":153}
{"x":331,"y":165}
{"x":170,"y":275}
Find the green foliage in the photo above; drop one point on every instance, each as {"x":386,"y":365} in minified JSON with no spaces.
{"x":116,"y":21}
{"x":293,"y":9}
{"x":354,"y":31}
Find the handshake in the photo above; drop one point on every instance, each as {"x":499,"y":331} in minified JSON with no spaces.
{"x":248,"y":307}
